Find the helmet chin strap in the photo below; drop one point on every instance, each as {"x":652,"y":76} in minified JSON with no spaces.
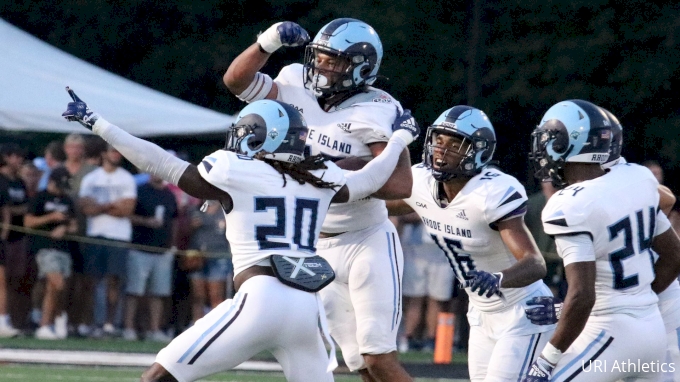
{"x":318,"y":81}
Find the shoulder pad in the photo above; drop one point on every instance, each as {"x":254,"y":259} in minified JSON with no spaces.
{"x":567,"y":213}
{"x":371,"y":95}
{"x":290,"y":74}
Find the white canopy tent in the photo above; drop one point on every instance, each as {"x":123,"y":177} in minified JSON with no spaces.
{"x":33,"y":77}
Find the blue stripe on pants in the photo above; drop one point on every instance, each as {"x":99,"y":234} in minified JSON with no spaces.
{"x":580,"y":356}
{"x":526,"y":357}
{"x":211,"y":328}
{"x":394,"y":279}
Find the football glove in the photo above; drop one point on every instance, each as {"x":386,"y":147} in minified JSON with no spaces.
{"x":547,"y":311}
{"x":285,"y":33}
{"x":540,"y":371}
{"x":405,"y":121}
{"x":78,"y":111}
{"x":484,"y":282}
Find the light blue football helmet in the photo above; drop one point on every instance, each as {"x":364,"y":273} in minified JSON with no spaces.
{"x":271,"y":127}
{"x":617,"y":140}
{"x":570,"y":131}
{"x":477,"y":146}
{"x":351,"y":40}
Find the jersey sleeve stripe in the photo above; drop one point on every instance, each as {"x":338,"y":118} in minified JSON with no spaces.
{"x":512,"y":197}
{"x":521,"y":210}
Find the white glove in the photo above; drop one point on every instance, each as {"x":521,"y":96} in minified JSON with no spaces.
{"x":286,"y":33}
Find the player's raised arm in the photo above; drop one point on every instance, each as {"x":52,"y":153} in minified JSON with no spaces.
{"x":374,"y":174}
{"x":145,"y":155}
{"x":243,"y":77}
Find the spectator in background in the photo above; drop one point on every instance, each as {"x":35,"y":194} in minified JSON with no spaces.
{"x":94,"y":147}
{"x":108,"y":196}
{"x":428,"y":280}
{"x":209,"y":282}
{"x":655,"y":168}
{"x":30,"y":174}
{"x":179,"y":305}
{"x":17,"y":268}
{"x":79,"y":305}
{"x":674,"y":214}
{"x":554,"y":278}
{"x":52,"y":210}
{"x":6,"y":329}
{"x":149,"y":274}
{"x":54,"y":157}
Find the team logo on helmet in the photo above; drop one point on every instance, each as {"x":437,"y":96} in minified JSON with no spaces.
{"x":570,"y":131}
{"x":270,"y":127}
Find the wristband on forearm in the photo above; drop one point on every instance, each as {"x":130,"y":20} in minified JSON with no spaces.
{"x":551,"y":353}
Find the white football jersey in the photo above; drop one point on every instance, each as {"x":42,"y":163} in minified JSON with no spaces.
{"x":619,"y":212}
{"x":268,"y":218}
{"x":465,"y":228}
{"x":341,"y":132}
{"x":671,"y":295}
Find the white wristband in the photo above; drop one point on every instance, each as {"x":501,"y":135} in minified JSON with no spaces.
{"x":270,"y":40}
{"x":403,"y":137}
{"x":551,"y":353}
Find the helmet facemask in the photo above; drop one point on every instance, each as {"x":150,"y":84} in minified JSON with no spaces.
{"x":543,"y":141}
{"x":452,"y":154}
{"x":344,"y":73}
{"x":247,"y":136}
{"x":350,"y":41}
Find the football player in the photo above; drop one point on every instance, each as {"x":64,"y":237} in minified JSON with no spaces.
{"x":347,"y":117}
{"x":669,"y":299}
{"x":475,"y":213}
{"x":604,"y":225}
{"x":275,"y":199}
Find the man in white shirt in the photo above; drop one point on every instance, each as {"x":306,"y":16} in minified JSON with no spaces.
{"x":108,"y":196}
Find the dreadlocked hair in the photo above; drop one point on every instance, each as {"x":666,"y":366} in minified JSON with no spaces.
{"x":300,"y":171}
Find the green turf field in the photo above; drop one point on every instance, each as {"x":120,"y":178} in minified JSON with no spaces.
{"x":47,"y":373}
{"x":119,"y":345}
{"x":43,"y":373}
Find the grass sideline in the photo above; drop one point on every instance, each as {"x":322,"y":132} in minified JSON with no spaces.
{"x":43,"y":373}
{"x":122,"y":346}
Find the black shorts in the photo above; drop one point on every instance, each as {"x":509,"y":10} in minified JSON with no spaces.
{"x":3,"y":256}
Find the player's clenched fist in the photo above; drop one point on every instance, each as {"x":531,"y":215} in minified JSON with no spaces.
{"x":285,"y":33}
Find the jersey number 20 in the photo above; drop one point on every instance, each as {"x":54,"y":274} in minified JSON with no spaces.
{"x":264,"y":232}
{"x":645,"y":236}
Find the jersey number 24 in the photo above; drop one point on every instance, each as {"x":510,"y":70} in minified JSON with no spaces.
{"x":645,"y":235}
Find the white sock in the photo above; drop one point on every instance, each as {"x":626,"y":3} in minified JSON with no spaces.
{"x":4,"y":320}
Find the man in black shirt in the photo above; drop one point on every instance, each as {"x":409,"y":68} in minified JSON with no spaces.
{"x":53,"y":211}
{"x":14,"y":256}
{"x":150,"y":273}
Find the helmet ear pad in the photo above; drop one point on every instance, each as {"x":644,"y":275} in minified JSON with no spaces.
{"x":484,"y":137}
{"x":558,"y":132}
{"x":253,"y":131}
